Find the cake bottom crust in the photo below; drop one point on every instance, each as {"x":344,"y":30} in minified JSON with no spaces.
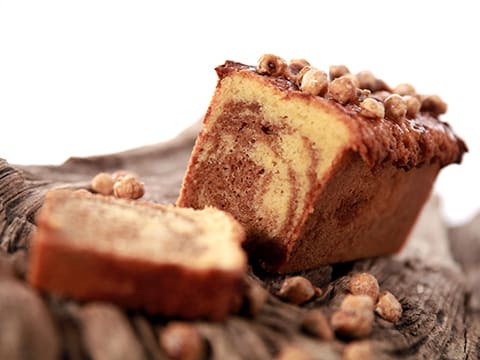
{"x":360,"y":212}
{"x":165,"y":289}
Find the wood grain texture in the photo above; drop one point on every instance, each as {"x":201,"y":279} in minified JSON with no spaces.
{"x":436,"y":279}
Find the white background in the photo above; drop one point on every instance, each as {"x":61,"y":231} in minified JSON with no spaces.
{"x":89,"y":77}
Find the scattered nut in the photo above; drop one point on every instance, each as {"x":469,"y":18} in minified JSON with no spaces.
{"x":337,"y":71}
{"x":366,"y":80}
{"x":434,"y":104}
{"x":388,"y":307}
{"x":272,"y":65}
{"x":404,"y":89}
{"x":294,"y":68}
{"x":102,"y":183}
{"x":364,"y":284}
{"x":381,"y":94}
{"x":356,"y":302}
{"x":358,"y":350}
{"x":372,"y":108}
{"x":343,"y":89}
{"x":413,"y":105}
{"x":181,"y":341}
{"x":395,"y":107}
{"x":254,"y":299}
{"x":314,"y":82}
{"x":297,"y":290}
{"x":355,"y":317}
{"x":128,"y":187}
{"x":315,"y":323}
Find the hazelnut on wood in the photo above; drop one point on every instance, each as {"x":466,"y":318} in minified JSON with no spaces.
{"x":270,"y":64}
{"x":388,"y":307}
{"x":128,"y":187}
{"x":102,"y":183}
{"x":297,"y":290}
{"x":364,"y":284}
{"x":355,"y":316}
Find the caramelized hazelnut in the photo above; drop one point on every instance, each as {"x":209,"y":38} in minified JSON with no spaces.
{"x":405,"y":89}
{"x":395,"y":107}
{"x":366,"y":80}
{"x":294,"y":67}
{"x":272,"y":65}
{"x":413,"y":105}
{"x":434,"y":104}
{"x":314,"y":82}
{"x":182,"y":341}
{"x":372,"y":108}
{"x":343,"y":89}
{"x":337,"y":71}
{"x":355,"y":316}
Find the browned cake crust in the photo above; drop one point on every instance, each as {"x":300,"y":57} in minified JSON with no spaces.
{"x":360,"y":202}
{"x":65,"y":263}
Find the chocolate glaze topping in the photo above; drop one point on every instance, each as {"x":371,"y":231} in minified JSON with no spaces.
{"x":407,"y":143}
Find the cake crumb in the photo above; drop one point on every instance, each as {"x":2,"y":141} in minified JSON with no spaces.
{"x":102,"y":183}
{"x":388,"y":307}
{"x":182,"y":341}
{"x":297,"y":290}
{"x":364,"y":284}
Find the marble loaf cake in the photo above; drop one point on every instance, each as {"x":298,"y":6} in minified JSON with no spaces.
{"x":175,"y":262}
{"x":319,"y":168}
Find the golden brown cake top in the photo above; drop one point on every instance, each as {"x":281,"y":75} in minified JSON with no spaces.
{"x":395,"y":125}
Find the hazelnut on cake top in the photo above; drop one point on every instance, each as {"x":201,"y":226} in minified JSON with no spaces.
{"x":319,"y":168}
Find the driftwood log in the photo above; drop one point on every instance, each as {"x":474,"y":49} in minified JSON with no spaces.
{"x":436,"y":278}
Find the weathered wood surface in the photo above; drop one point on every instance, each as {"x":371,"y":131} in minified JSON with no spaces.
{"x":436,"y":278}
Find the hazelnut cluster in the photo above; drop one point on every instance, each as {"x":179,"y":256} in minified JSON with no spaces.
{"x":356,"y":314}
{"x":372,"y":97}
{"x":121,"y":184}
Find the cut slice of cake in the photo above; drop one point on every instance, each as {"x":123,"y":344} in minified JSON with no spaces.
{"x":319,"y":169}
{"x":165,"y":260}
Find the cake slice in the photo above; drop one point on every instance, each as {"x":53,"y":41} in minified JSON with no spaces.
{"x":165,"y":260}
{"x":318,"y":168}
